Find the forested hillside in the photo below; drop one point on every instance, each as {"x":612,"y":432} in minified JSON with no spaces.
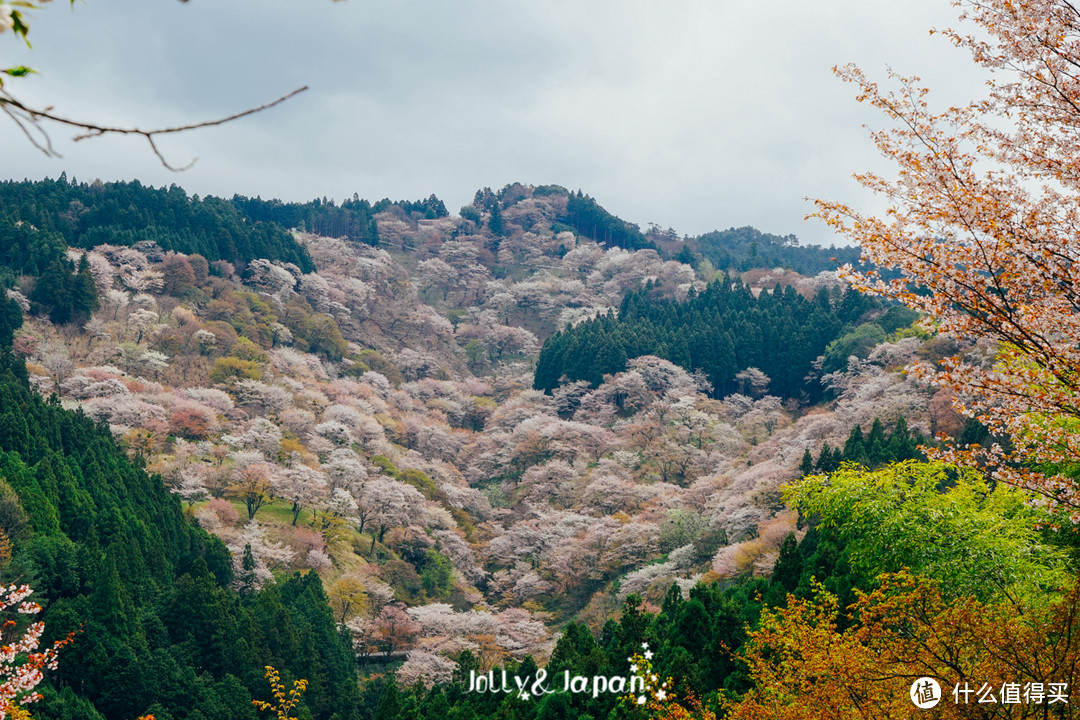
{"x":516,"y":437}
{"x":746,"y":248}
{"x":720,"y":331}
{"x":145,"y":593}
{"x":85,"y":215}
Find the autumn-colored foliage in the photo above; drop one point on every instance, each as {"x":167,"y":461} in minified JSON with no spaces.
{"x":804,"y":667}
{"x":982,"y":226}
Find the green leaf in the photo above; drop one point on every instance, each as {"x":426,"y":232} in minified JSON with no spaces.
{"x":974,"y":538}
{"x":18,"y":71}
{"x":18,"y":26}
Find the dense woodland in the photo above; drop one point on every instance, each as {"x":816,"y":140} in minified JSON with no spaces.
{"x":378,"y":446}
{"x":114,"y":560}
{"x":85,"y":215}
{"x":746,"y":248}
{"x":720,"y":331}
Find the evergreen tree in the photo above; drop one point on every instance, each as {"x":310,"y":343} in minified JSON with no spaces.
{"x":788,"y":569}
{"x":495,"y":222}
{"x":84,"y":298}
{"x":722,"y":330}
{"x":855,"y":447}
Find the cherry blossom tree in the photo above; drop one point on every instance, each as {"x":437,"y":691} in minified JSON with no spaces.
{"x":981,"y":225}
{"x":255,"y":556}
{"x":426,"y":667}
{"x":304,"y":487}
{"x":389,"y":504}
{"x":394,"y":629}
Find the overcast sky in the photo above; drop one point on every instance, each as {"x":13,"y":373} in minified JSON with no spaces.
{"x":693,"y":115}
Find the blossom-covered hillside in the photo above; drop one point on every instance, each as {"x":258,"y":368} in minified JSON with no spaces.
{"x":373,"y":419}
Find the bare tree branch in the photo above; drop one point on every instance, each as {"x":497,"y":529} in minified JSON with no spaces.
{"x":28,"y":118}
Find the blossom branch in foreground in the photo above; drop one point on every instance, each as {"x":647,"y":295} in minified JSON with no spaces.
{"x":982,"y":227}
{"x":13,"y":16}
{"x":21,"y":667}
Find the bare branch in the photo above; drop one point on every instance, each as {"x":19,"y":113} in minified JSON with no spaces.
{"x":26,"y":117}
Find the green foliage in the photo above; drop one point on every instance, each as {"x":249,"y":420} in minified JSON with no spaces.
{"x":15,"y":11}
{"x":244,"y":349}
{"x":249,"y":315}
{"x":468,"y":212}
{"x":385,"y":464}
{"x":687,"y":257}
{"x":11,"y":319}
{"x":227,"y":369}
{"x":322,"y":336}
{"x":721,"y":331}
{"x":353,"y":219}
{"x":950,"y":525}
{"x":26,"y":249}
{"x":111,"y":554}
{"x":589,"y":219}
{"x":680,"y":527}
{"x":67,"y":294}
{"x":871,"y":451}
{"x":420,"y":481}
{"x":430,"y":208}
{"x":477,"y":353}
{"x":896,"y":318}
{"x":85,"y":215}
{"x":437,"y":577}
{"x":859,"y":342}
{"x":495,"y":222}
{"x":745,"y":248}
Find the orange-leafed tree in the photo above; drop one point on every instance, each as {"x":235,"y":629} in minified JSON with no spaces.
{"x":983,"y":223}
{"x":988,"y":660}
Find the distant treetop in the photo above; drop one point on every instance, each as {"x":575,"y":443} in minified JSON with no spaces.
{"x":745,"y":248}
{"x":85,"y":215}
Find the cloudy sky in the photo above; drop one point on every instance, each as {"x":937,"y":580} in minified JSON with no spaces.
{"x":690,"y":114}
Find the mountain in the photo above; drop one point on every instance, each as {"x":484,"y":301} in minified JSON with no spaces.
{"x":349,"y":450}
